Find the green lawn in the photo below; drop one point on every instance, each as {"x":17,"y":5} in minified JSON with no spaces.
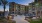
{"x":40,"y":21}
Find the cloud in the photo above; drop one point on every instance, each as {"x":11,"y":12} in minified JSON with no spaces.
{"x":25,"y":2}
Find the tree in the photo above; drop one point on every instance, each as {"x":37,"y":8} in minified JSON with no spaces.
{"x":4,"y":2}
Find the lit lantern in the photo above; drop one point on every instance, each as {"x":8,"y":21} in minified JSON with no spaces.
{"x":10,"y":17}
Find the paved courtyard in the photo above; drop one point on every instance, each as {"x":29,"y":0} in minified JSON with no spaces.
{"x":20,"y":19}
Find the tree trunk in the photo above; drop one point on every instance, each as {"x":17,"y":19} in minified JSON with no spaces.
{"x":4,"y":11}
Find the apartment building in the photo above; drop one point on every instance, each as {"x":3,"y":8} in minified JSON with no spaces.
{"x":16,"y":8}
{"x":36,"y":8}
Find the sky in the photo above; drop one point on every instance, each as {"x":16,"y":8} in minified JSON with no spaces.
{"x":23,"y":2}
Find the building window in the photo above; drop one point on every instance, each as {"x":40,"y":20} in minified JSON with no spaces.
{"x":33,"y":8}
{"x":34,"y":13}
{"x":13,"y":12}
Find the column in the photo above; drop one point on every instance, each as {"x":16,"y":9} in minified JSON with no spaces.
{"x":36,"y":13}
{"x":40,"y":14}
